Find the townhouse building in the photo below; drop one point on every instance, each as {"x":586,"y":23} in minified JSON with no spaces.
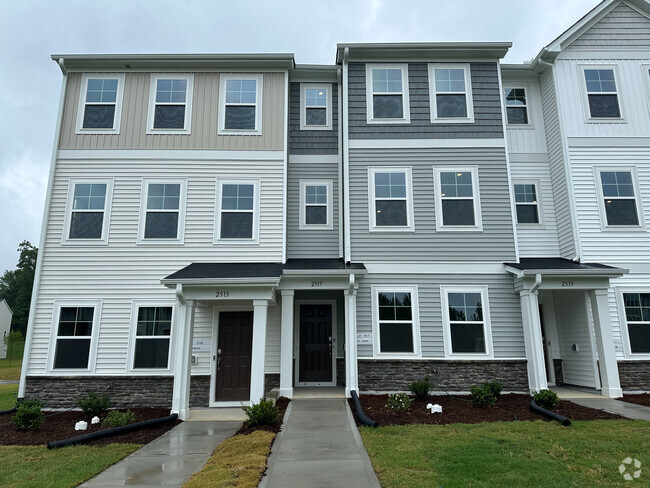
{"x":220,"y":225}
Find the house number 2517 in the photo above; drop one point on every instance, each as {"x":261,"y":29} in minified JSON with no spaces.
{"x":316,"y":284}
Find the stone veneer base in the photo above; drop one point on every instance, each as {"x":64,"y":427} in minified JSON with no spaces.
{"x":634,"y":375}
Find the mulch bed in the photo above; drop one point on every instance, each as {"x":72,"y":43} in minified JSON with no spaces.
{"x":640,"y":399}
{"x":60,"y":425}
{"x":458,"y":409}
{"x":282,"y":403}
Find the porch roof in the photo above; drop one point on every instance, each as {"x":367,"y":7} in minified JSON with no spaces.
{"x":557,"y":266}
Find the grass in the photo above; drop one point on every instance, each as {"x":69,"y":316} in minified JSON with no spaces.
{"x":237,"y":462}
{"x":524,"y":454}
{"x":8,"y":396}
{"x":38,"y":467}
{"x":11,"y":366}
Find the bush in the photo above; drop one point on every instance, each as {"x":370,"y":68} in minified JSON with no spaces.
{"x":495,"y":387}
{"x":546,"y":399}
{"x":116,"y":418}
{"x":262,"y":413}
{"x":482,"y":396}
{"x":93,"y":405}
{"x":29,"y":414}
{"x":399,"y":401}
{"x":421,"y":388}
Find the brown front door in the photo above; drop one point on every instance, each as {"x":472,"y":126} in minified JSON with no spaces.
{"x":315,"y":343}
{"x":234,"y":356}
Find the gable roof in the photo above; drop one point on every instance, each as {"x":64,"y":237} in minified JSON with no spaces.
{"x":8,"y":307}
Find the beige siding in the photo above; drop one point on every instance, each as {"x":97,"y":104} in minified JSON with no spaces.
{"x":205,"y":109}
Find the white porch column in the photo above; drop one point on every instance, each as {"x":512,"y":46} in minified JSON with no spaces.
{"x":351,"y":369}
{"x":533,"y":340}
{"x":611,"y":385}
{"x":286,"y":345}
{"x":258,"y":353}
{"x":182,"y":364}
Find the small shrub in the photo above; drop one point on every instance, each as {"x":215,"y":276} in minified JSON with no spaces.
{"x":495,"y":387}
{"x":29,"y":414}
{"x":399,"y":401}
{"x":93,"y":405}
{"x":421,"y":388}
{"x":482,"y":396}
{"x":262,"y":413}
{"x":546,"y":399}
{"x":116,"y":418}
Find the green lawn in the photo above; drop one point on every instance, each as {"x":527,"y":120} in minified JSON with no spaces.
{"x":8,"y":396}
{"x":38,"y":467}
{"x":523,"y":454}
{"x":11,"y":366}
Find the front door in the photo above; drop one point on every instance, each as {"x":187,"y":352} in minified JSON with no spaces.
{"x":315,"y":344}
{"x":233,"y":377}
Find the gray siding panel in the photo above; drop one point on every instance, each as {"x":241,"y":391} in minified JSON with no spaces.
{"x":312,"y":141}
{"x":494,"y":243}
{"x":485,"y":94}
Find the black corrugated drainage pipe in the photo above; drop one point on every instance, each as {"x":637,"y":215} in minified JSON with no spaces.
{"x":357,"y":406}
{"x":551,"y":415}
{"x":11,"y":410}
{"x":82,"y":439}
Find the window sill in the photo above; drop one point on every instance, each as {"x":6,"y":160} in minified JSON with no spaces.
{"x":605,"y":120}
{"x":463,"y":120}
{"x":307,"y":227}
{"x":468,"y":357}
{"x":388,"y":121}
{"x":84,"y":242}
{"x":623,"y":228}
{"x":238,"y":242}
{"x":239,"y":132}
{"x":520,"y":126}
{"x":149,"y":372}
{"x":391,"y":229}
{"x":459,"y":229}
{"x":314,"y":127}
{"x":160,"y":242}
{"x":168,"y":131}
{"x":97,"y":131}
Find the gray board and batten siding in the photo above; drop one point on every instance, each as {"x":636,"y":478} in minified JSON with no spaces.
{"x":495,"y":243}
{"x":486,"y":100}
{"x":312,"y":141}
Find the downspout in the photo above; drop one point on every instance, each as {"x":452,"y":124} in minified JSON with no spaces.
{"x":41,"y":243}
{"x":340,"y":158}
{"x":346,"y":162}
{"x":179,"y":294}
{"x":537,"y":284}
{"x":285,"y":167}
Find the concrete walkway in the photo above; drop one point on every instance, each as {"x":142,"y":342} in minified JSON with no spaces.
{"x":9,"y":382}
{"x":595,"y":400}
{"x":319,"y":446}
{"x":169,"y":460}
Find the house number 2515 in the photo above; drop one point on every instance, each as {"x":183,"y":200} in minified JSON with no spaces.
{"x":222,"y":294}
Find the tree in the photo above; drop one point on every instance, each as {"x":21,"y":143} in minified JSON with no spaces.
{"x":11,"y":339}
{"x":16,"y":286}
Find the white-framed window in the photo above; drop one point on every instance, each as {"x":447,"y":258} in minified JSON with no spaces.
{"x":516,"y":101}
{"x":600,"y":91}
{"x":390,"y":199}
{"x":395,"y":321}
{"x":450,"y":90}
{"x":88,"y":211}
{"x":238,"y":211}
{"x":170,"y":103}
{"x":315,"y":106}
{"x":73,"y":343}
{"x":162,"y":212}
{"x":150,"y":339}
{"x":387,"y":93}
{"x":619,"y":205}
{"x":316,"y":204}
{"x":458,"y":206}
{"x":634,"y":306}
{"x":466,"y":321}
{"x":240,"y":104}
{"x":100,"y":103}
{"x":528,"y":202}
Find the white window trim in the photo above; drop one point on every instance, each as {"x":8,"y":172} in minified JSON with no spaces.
{"x":92,"y":354}
{"x":406,"y":115}
{"x":625,"y":335}
{"x":303,"y":204}
{"x":187,"y":129}
{"x":82,"y":103}
{"x":223,"y":78}
{"x":585,"y":94}
{"x":132,"y":338}
{"x":303,"y":106}
{"x":180,"y":236}
{"x":526,"y":88}
{"x":540,"y":206}
{"x":254,"y":240}
{"x":415,"y":315}
{"x":65,"y":238}
{"x":372,"y":221}
{"x":487,"y":327}
{"x":478,"y":221}
{"x":601,"y":199}
{"x":468,"y":94}
{"x":645,"y":73}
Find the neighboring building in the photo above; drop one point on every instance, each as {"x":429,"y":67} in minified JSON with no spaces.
{"x":219,"y":225}
{"x":5,"y":326}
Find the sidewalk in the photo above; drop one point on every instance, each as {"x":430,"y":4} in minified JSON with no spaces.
{"x":595,"y":400}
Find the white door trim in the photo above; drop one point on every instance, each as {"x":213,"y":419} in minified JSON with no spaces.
{"x":296,"y":342}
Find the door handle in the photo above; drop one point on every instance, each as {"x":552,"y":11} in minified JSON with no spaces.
{"x":330,"y":345}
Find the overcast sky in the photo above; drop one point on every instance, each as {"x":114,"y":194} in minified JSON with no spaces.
{"x":32,"y":30}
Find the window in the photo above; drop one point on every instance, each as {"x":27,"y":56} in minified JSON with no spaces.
{"x":152,"y":337}
{"x":387,"y":96}
{"x":602,"y":97}
{"x":637,"y":318}
{"x":457,"y":199}
{"x":163,"y":211}
{"x":73,"y":342}
{"x":617,"y":196}
{"x":100,"y":103}
{"x":395,"y":321}
{"x":237,"y":210}
{"x":390,"y":201}
{"x":516,"y":106}
{"x":88,"y":211}
{"x":170,"y":104}
{"x":316,"y":204}
{"x":466,"y":321}
{"x":315,"y":106}
{"x":240,"y":104}
{"x":527,"y":203}
{"x":451,"y":93}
